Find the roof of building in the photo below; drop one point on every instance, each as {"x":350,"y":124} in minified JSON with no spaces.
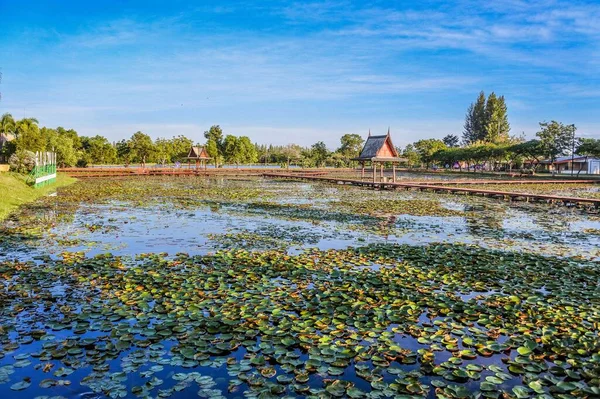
{"x":379,"y":148}
{"x":567,"y":159}
{"x":197,"y":153}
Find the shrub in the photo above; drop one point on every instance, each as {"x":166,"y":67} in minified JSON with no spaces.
{"x":22,"y":161}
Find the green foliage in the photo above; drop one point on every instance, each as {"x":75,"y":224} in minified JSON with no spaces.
{"x":589,"y":147}
{"x":29,"y":136}
{"x":411,"y":155}
{"x":555,"y":138}
{"x":239,"y":150}
{"x":99,"y":150}
{"x":351,"y":144}
{"x":451,"y":140}
{"x":319,"y":154}
{"x":427,"y":148}
{"x":142,"y":147}
{"x":486,"y":120}
{"x":62,"y":144}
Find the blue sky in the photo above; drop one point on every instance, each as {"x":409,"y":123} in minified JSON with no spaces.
{"x":298,"y":72}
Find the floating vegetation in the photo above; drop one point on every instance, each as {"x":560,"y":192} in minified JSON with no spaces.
{"x":280,"y":289}
{"x":379,"y":320}
{"x":412,"y":207}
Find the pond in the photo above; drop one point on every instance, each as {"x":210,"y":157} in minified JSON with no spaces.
{"x":191,"y":287}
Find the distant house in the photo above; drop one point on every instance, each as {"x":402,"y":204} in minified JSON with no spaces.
{"x":564,"y":165}
{"x":199,"y":155}
{"x":379,"y":150}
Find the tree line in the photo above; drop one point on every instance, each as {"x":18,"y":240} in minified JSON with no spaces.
{"x":73,"y":149}
{"x":486,"y":143}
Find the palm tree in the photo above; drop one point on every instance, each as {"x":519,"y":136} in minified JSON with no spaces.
{"x":7,"y":125}
{"x":24,"y":125}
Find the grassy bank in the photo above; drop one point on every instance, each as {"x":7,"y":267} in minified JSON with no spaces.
{"x":14,"y":191}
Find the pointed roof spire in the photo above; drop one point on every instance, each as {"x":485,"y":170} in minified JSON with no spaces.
{"x":369,"y":132}
{"x":388,"y":131}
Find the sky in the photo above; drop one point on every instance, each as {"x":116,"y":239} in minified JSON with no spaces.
{"x":298,"y":72}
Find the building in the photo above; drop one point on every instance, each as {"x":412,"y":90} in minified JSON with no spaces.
{"x":577,"y":164}
{"x":379,"y":150}
{"x":199,"y":155}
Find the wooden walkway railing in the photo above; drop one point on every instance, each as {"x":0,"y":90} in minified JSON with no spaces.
{"x":506,"y":195}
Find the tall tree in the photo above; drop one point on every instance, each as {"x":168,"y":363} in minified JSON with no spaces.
{"x":451,"y":140}
{"x":427,"y":148}
{"x":555,"y":139}
{"x":142,"y":147}
{"x":247,"y":149}
{"x":124,"y":152}
{"x":469,"y":133}
{"x":29,"y":136}
{"x":319,"y":153}
{"x":232,"y":150}
{"x":475,"y":121}
{"x":351,"y":144}
{"x":7,"y":124}
{"x":496,"y":120}
{"x":7,"y":129}
{"x":62,"y":145}
{"x":411,"y":155}
{"x":479,"y":118}
{"x":98,"y":149}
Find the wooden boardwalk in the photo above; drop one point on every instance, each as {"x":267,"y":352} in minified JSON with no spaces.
{"x":506,"y":195}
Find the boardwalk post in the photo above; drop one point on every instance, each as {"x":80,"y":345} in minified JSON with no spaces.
{"x":362,"y":174}
{"x":374,"y":172}
{"x":394,"y":172}
{"x":381,"y":173}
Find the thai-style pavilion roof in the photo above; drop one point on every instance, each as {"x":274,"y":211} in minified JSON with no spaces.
{"x":198,"y":153}
{"x":379,"y":148}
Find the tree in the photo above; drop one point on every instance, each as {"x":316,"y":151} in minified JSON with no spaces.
{"x":28,"y":135}
{"x":427,"y":148}
{"x":232,"y":152}
{"x":247,"y":149}
{"x":486,"y":120}
{"x":588,"y":148}
{"x":7,"y":129}
{"x":451,"y":140}
{"x":555,"y":139}
{"x":496,"y":120}
{"x":124,"y":152}
{"x":351,"y":144}
{"x":411,"y":155}
{"x":7,"y":125}
{"x":475,"y":121}
{"x":319,"y":153}
{"x":142,"y":147}
{"x":532,"y":152}
{"x":290,"y":152}
{"x":212,"y":148}
{"x":62,"y":145}
{"x":98,"y":150}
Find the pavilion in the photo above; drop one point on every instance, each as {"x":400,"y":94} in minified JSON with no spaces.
{"x":198,"y":154}
{"x":379,"y":150}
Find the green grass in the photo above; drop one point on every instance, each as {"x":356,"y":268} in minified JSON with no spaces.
{"x":14,"y":191}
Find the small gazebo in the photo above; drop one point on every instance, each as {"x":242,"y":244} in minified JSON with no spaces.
{"x":198,"y":154}
{"x":378,"y":150}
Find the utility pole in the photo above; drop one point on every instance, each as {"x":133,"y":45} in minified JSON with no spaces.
{"x":572,"y":148}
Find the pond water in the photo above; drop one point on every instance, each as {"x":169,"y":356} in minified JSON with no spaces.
{"x":180,"y":288}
